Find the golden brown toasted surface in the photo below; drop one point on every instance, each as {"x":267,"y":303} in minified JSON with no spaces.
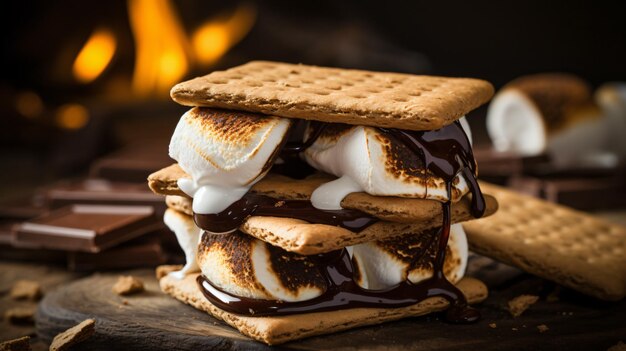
{"x":278,"y":330}
{"x":236,"y":128}
{"x":235,"y":250}
{"x":554,"y":242}
{"x":337,"y":95}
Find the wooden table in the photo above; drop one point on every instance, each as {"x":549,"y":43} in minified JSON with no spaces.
{"x":152,"y":320}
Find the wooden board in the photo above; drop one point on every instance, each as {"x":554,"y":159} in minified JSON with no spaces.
{"x":154,"y":321}
{"x":49,"y":276}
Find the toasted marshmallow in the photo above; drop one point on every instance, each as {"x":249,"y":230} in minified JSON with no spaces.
{"x":367,"y":160}
{"x":248,"y":267}
{"x":551,"y":113}
{"x":611,"y":97}
{"x":188,"y":235}
{"x":382,"y":264}
{"x":225,"y":153}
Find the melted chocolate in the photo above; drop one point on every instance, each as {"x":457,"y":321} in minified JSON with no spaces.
{"x":260,"y":205}
{"x":343,"y":292}
{"x":445,"y":152}
{"x":316,"y":130}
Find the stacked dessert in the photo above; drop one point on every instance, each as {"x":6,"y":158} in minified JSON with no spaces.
{"x":310,"y":200}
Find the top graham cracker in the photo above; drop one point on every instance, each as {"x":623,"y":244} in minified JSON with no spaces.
{"x":335,"y":95}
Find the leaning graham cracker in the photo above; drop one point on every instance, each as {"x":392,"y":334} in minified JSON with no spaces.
{"x":554,"y":242}
{"x":388,"y":208}
{"x":281,"y":329}
{"x":337,"y":95}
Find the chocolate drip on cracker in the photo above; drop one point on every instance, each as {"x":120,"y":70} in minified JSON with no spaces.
{"x":261,"y":205}
{"x":445,"y":152}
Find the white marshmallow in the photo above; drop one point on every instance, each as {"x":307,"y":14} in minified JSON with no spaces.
{"x":358,"y":157}
{"x":188,"y":235}
{"x":224,"y":153}
{"x":515,"y":124}
{"x":381,"y":267}
{"x":611,"y":97}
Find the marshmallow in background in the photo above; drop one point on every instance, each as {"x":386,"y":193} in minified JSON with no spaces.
{"x":551,"y":113}
{"x":611,"y":98}
{"x":188,"y":235}
{"x":366,"y":160}
{"x":224,"y":152}
{"x":384,"y":264}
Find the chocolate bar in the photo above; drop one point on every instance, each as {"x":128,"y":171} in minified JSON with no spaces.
{"x":104,"y":192}
{"x":131,"y":164}
{"x":89,"y":228}
{"x":141,"y":252}
{"x":498,"y":167}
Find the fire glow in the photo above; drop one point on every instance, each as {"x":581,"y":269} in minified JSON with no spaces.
{"x":215,"y":37}
{"x":164,"y":52}
{"x":95,"y":56}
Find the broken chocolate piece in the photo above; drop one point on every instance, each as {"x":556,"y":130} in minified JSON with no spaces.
{"x":102,"y":192}
{"x":141,"y":252}
{"x":89,"y":228}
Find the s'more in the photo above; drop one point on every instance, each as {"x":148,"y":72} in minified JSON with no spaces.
{"x":310,"y":200}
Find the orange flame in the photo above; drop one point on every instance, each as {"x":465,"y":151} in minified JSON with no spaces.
{"x":164,"y":52}
{"x":215,"y":37}
{"x":95,"y":56}
{"x":161,"y":46}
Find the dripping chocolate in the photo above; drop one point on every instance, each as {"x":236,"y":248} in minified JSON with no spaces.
{"x":374,"y":235}
{"x":445,"y":152}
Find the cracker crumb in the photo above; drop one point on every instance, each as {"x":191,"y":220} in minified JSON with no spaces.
{"x":127,"y":285}
{"x":26,"y":290}
{"x":553,"y":296}
{"x":20,"y":315}
{"x":521,"y":303}
{"x":492,"y":325}
{"x":76,"y":334}
{"x":19,"y":344}
{"x":542,"y":328}
{"x":162,"y":271}
{"x":620,"y":346}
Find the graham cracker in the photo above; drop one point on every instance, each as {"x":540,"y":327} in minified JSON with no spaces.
{"x":281,"y":329}
{"x":128,"y":285}
{"x":306,"y":238}
{"x":165,"y":181}
{"x":76,"y":334}
{"x":387,"y":208}
{"x":379,"y":99}
{"x":554,"y":242}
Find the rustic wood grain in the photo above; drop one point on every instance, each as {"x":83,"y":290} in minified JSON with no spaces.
{"x":151,"y":320}
{"x":48,"y":276}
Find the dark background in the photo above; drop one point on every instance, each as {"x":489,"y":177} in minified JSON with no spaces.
{"x":494,"y":40}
